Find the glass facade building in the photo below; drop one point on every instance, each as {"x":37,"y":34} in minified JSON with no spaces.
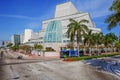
{"x":16,"y":39}
{"x":53,"y":32}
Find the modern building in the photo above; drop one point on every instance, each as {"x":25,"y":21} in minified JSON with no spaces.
{"x":27,"y":35}
{"x":21,"y":38}
{"x":15,"y":39}
{"x":53,"y":33}
{"x":55,"y":29}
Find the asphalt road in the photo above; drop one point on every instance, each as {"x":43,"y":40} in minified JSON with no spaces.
{"x":13,"y":69}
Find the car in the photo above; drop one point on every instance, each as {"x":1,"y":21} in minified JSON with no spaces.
{"x":20,"y":57}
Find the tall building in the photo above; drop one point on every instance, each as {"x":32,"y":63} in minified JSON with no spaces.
{"x":15,"y":39}
{"x":53,"y":33}
{"x":55,"y":29}
{"x":27,"y":35}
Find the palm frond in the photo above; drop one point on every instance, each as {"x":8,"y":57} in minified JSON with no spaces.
{"x":114,"y":19}
{"x":83,"y":21}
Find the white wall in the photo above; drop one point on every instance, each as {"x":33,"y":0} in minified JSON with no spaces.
{"x":65,"y":9}
{"x":27,"y":35}
{"x":21,"y":38}
{"x":12,"y":39}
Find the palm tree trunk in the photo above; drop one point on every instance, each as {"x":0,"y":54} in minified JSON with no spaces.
{"x":98,"y":50}
{"x":111,"y":49}
{"x":92,"y":51}
{"x":84,"y":51}
{"x":78,"y":48}
{"x":106,"y":50}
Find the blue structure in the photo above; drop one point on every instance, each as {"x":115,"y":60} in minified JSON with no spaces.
{"x":53,"y":32}
{"x":70,"y":53}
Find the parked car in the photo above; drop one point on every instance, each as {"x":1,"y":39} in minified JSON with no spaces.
{"x":20,"y":57}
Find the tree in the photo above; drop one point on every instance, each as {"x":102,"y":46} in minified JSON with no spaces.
{"x":88,"y":40}
{"x":109,"y":39}
{"x":76,"y":31}
{"x":15,"y":47}
{"x":117,"y":44}
{"x":98,"y":39}
{"x":70,"y":46}
{"x":38,"y":47}
{"x":27,"y":48}
{"x":114,"y":19}
{"x":9,"y":44}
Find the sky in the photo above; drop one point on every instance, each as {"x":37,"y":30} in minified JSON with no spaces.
{"x":17,"y":15}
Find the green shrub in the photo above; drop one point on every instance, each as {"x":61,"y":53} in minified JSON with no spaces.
{"x":14,"y":48}
{"x":49,"y":49}
{"x":89,"y":57}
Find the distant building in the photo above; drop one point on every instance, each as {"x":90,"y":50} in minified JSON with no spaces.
{"x":15,"y":39}
{"x":27,"y":35}
{"x":21,"y":38}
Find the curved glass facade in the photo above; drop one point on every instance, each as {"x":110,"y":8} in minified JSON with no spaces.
{"x":53,"y":32}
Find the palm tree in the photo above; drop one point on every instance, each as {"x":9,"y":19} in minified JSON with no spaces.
{"x":38,"y":48}
{"x":26,"y":48}
{"x":70,"y":46}
{"x":114,"y":19}
{"x":117,"y":45}
{"x":88,"y":40}
{"x":98,"y":39}
{"x":76,"y":30}
{"x":109,"y":39}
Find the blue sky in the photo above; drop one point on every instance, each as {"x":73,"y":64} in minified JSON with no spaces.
{"x":17,"y":15}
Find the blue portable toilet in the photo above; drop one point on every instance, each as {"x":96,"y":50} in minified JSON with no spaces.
{"x":70,"y":53}
{"x":73,"y":53}
{"x":64,"y":53}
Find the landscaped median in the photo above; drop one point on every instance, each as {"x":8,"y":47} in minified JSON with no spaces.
{"x":89,"y":57}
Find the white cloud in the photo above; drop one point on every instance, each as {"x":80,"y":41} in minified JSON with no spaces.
{"x":96,"y":8}
{"x":18,"y":16}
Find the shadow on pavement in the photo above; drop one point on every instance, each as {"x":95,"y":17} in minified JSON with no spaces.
{"x":100,"y":64}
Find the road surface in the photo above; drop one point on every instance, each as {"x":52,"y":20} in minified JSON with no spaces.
{"x":13,"y":69}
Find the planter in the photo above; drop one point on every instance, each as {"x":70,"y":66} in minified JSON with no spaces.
{"x":70,"y":59}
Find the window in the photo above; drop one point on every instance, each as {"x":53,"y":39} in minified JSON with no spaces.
{"x":53,"y":32}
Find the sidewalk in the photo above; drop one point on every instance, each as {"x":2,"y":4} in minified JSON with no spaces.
{"x":44,"y":58}
{"x":35,"y":57}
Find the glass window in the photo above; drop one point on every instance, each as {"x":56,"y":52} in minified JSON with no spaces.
{"x":53,"y":32}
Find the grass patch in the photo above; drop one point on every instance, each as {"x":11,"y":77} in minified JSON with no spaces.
{"x":89,"y":57}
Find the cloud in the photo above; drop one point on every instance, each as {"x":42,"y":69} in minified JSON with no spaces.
{"x":97,"y":8}
{"x":33,"y":25}
{"x":18,"y":16}
{"x":101,"y":13}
